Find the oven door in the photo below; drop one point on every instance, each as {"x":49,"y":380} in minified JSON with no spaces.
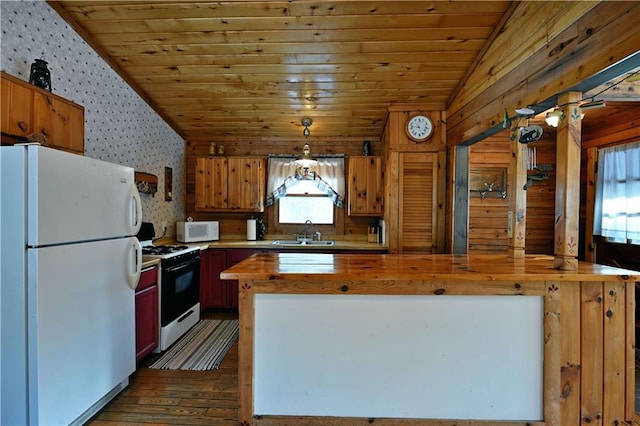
{"x":180,"y":288}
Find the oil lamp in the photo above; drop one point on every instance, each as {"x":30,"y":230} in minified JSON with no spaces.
{"x":40,"y":75}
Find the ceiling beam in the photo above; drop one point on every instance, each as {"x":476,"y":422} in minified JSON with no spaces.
{"x":598,"y":44}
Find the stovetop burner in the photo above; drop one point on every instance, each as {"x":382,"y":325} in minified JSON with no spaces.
{"x":163,"y":249}
{"x":166,"y":251}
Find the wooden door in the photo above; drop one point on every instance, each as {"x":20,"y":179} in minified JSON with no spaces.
{"x":418,"y":197}
{"x":365,"y":186}
{"x":147,"y":315}
{"x":212,"y":289}
{"x":246,"y":183}
{"x":67,"y":126}
{"x":17,"y":106}
{"x":211,"y":183}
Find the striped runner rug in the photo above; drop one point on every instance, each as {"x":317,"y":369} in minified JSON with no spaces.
{"x":202,"y":348}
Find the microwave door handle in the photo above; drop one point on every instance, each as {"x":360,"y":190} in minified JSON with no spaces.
{"x":183,"y":265}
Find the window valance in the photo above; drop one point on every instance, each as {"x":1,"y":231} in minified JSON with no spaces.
{"x":328,"y":176}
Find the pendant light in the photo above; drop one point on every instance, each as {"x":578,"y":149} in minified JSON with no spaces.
{"x":306,"y":160}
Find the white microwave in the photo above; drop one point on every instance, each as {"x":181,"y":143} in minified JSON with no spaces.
{"x":191,"y":232}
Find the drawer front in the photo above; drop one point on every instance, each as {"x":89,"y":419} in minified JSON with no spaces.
{"x":148,"y":277}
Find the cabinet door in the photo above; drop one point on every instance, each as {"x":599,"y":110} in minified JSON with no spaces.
{"x":245,"y":184}
{"x":365,"y":186}
{"x":62,"y":122}
{"x":230,"y":184}
{"x":146,"y":321}
{"x":234,"y":256}
{"x":418,"y":194}
{"x":211,"y":184}
{"x":17,"y":106}
{"x":213,"y":292}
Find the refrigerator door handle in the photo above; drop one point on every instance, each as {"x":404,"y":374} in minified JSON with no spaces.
{"x":136,"y":266}
{"x":136,"y":210}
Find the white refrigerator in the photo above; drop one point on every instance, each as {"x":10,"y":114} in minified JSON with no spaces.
{"x":69,"y":266}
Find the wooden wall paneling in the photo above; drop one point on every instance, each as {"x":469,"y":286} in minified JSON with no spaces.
{"x":568,"y":183}
{"x":614,"y":353}
{"x":592,"y":340}
{"x":630,"y":349}
{"x":621,"y":126}
{"x":570,"y":341}
{"x":487,"y":221}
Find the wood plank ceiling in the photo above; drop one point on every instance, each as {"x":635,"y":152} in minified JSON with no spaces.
{"x":256,"y":68}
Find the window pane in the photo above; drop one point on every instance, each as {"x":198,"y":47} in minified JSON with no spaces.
{"x":318,"y":210}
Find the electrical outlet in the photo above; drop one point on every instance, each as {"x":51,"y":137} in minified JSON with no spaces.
{"x":164,"y":226}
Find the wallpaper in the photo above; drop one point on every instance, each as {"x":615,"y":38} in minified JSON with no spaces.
{"x":119,"y":126}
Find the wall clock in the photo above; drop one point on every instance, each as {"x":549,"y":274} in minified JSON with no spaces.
{"x":419,"y":128}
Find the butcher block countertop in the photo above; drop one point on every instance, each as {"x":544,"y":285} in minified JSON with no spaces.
{"x":540,"y":343}
{"x":149,"y":263}
{"x":270,"y":266}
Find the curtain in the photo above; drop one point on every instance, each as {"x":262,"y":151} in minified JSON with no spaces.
{"x":328,"y":176}
{"x":617,"y":206}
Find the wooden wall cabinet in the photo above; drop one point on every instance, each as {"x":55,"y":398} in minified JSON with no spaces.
{"x":230,"y":184}
{"x":27,"y":109}
{"x":147,"y":312}
{"x":365,"y":192}
{"x":216,"y":293}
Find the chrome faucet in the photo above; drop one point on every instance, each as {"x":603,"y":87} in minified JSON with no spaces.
{"x":304,"y":230}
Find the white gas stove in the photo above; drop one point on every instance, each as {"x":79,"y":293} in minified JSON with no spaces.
{"x":151,"y":251}
{"x":179,"y":287}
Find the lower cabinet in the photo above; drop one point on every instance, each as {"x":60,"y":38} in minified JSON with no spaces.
{"x":214,"y":292}
{"x":147,"y":312}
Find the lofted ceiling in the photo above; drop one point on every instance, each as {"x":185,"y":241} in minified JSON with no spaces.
{"x":255,"y":69}
{"x":248,"y":68}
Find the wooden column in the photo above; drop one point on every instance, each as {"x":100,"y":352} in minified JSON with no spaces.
{"x":568,"y":141}
{"x":589,"y":246}
{"x":517,"y":219}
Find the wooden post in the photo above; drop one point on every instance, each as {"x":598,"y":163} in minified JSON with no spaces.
{"x":517,"y":215}
{"x":589,"y":246}
{"x":568,"y":141}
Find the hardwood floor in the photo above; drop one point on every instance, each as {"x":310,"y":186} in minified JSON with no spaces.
{"x":174,"y":397}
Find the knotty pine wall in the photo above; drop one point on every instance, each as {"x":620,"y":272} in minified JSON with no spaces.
{"x":488,"y":216}
{"x":233,"y":225}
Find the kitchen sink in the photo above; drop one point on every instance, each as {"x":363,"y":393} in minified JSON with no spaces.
{"x":297,"y":243}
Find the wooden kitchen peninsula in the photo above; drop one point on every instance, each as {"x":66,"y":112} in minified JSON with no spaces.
{"x":425,"y":339}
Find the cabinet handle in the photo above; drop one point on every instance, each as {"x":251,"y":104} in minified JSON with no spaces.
{"x":23,"y":126}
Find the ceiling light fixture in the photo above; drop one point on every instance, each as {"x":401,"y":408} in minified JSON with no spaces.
{"x":305,"y":161}
{"x":554,"y":117}
{"x":306,"y":122}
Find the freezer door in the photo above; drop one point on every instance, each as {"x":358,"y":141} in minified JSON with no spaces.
{"x":72,"y":198}
{"x":82,"y":316}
